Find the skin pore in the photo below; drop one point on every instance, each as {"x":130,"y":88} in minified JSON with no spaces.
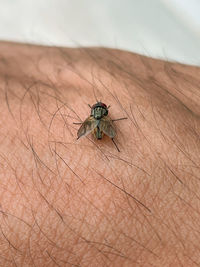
{"x":68,"y":202}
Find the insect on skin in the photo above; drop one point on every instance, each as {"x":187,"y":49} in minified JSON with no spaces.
{"x":99,"y":123}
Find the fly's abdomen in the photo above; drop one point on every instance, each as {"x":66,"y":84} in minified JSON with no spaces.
{"x":97,"y":133}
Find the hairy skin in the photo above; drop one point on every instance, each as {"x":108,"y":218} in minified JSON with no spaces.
{"x":82,"y":203}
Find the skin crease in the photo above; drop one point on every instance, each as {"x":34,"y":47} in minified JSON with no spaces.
{"x":65,"y":202}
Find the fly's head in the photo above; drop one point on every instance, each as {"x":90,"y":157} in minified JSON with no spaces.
{"x":99,"y":110}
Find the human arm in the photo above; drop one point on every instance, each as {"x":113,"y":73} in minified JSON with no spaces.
{"x":82,"y":202}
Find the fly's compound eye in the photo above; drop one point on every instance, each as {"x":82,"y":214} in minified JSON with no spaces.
{"x":105,"y":112}
{"x":103,"y":105}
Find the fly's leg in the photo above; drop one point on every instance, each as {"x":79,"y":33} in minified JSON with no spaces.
{"x":115,"y":145}
{"x":77,"y":122}
{"x":120,"y":119}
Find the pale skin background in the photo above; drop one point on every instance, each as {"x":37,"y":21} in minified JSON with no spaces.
{"x":82,"y":203}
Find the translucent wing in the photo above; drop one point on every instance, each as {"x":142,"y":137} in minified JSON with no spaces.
{"x":87,"y":127}
{"x":105,"y":125}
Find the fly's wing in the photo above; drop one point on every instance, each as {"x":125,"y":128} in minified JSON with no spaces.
{"x":87,"y":127}
{"x":105,"y":125}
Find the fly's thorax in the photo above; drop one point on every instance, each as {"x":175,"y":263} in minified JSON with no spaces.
{"x":99,"y":112}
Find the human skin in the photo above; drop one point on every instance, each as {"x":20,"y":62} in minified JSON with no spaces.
{"x":68,"y":202}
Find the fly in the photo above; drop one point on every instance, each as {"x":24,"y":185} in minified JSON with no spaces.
{"x":98,"y":123}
